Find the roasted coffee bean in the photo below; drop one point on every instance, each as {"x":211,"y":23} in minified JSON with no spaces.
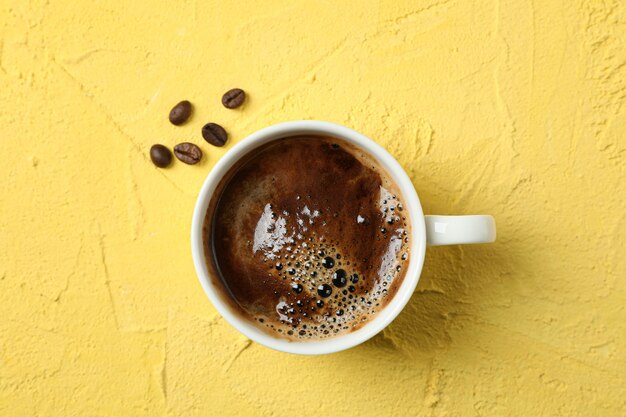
{"x":188,"y":153}
{"x":180,"y":113}
{"x":160,"y":155}
{"x":233,"y":98}
{"x":214,"y":134}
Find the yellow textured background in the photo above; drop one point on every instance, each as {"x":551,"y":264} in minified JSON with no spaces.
{"x":513,"y":108}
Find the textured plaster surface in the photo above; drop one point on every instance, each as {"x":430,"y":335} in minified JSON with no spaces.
{"x":512,"y":108}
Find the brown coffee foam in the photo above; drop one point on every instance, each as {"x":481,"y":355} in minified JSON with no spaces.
{"x":316,"y":190}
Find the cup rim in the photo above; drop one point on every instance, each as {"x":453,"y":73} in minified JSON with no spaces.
{"x":412,"y":207}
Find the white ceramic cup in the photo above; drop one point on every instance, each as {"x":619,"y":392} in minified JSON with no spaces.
{"x":431,"y":230}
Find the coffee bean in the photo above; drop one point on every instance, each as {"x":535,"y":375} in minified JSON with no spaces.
{"x":214,"y":134}
{"x":188,"y":153}
{"x":233,"y":98}
{"x":180,"y":113}
{"x":160,"y":155}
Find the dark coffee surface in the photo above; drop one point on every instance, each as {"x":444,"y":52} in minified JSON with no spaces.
{"x":308,"y":236}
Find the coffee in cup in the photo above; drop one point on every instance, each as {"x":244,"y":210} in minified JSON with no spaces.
{"x":307,"y":237}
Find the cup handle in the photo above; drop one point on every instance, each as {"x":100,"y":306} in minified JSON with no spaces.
{"x":455,"y":230}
